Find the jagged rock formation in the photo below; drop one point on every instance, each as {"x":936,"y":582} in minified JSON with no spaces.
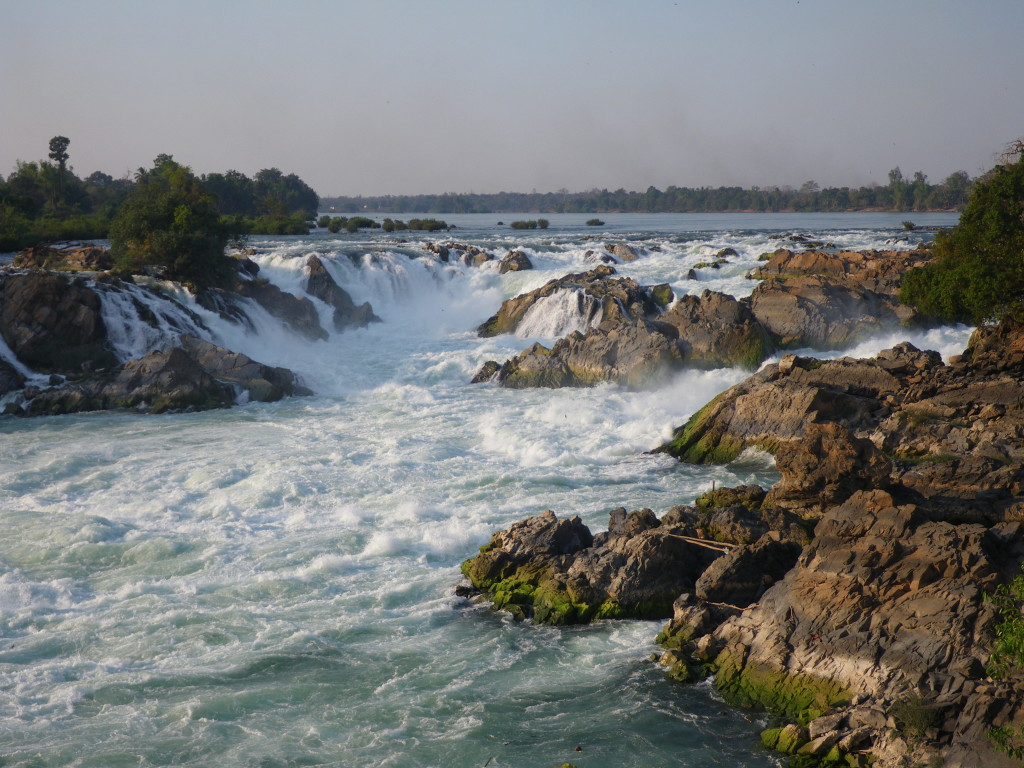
{"x":556,"y":572}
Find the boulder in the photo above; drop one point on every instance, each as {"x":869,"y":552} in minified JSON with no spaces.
{"x":514,"y":261}
{"x":634,"y":354}
{"x":820,"y":313}
{"x":623,"y":252}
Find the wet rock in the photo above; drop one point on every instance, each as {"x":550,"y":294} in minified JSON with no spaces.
{"x":53,"y":323}
{"x":347,"y":314}
{"x":618,"y":297}
{"x":298,"y":313}
{"x":487,"y":372}
{"x":555,"y":572}
{"x":514,"y":261}
{"x":623,"y":252}
{"x":195,"y":375}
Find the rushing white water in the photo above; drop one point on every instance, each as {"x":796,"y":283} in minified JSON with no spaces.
{"x":563,"y":312}
{"x":272,"y":585}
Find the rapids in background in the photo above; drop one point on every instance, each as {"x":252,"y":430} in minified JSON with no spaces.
{"x":271,"y":585}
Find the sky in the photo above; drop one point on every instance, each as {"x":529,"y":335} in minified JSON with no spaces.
{"x":418,"y":97}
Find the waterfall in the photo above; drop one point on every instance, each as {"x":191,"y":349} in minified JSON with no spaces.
{"x":564,"y":311}
{"x":139,"y":320}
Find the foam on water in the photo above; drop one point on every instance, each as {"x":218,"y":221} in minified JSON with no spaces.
{"x":272,"y":584}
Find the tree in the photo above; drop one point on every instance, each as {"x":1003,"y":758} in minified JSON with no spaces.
{"x":978,"y":272}
{"x":171,"y":221}
{"x":59,"y":154}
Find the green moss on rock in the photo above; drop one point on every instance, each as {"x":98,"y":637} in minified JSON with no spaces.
{"x":798,"y":697}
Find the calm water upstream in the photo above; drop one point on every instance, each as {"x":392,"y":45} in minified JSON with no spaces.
{"x":272,"y":585}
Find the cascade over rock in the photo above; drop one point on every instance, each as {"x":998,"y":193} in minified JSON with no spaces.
{"x":346,"y":314}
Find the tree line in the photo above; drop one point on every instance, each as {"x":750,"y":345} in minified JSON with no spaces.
{"x":44,"y":200}
{"x":900,"y":194}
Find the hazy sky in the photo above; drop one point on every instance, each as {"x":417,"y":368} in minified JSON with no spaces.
{"x":390,"y":97}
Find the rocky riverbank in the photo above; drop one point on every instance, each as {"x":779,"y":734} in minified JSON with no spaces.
{"x":635,"y":335}
{"x":850,"y":598}
{"x":83,"y":338}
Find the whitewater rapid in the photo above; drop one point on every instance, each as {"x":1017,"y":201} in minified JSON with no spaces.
{"x":272,"y":585}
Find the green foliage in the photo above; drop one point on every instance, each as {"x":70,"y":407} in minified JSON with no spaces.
{"x":1008,"y":654}
{"x":595,"y":223}
{"x":427,"y":225}
{"x":543,"y":223}
{"x":909,"y":226}
{"x":531,"y":224}
{"x":978,"y":273}
{"x":171,"y":222}
{"x":1009,"y":741}
{"x":360,"y":222}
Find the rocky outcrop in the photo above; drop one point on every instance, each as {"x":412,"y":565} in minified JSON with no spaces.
{"x":832,"y":300}
{"x":822,"y":313}
{"x":874,"y":634}
{"x":195,"y":375}
{"x":555,"y":572}
{"x":812,"y":299}
{"x":879,"y":271}
{"x":322,"y":286}
{"x":53,"y":323}
{"x":715,"y":331}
